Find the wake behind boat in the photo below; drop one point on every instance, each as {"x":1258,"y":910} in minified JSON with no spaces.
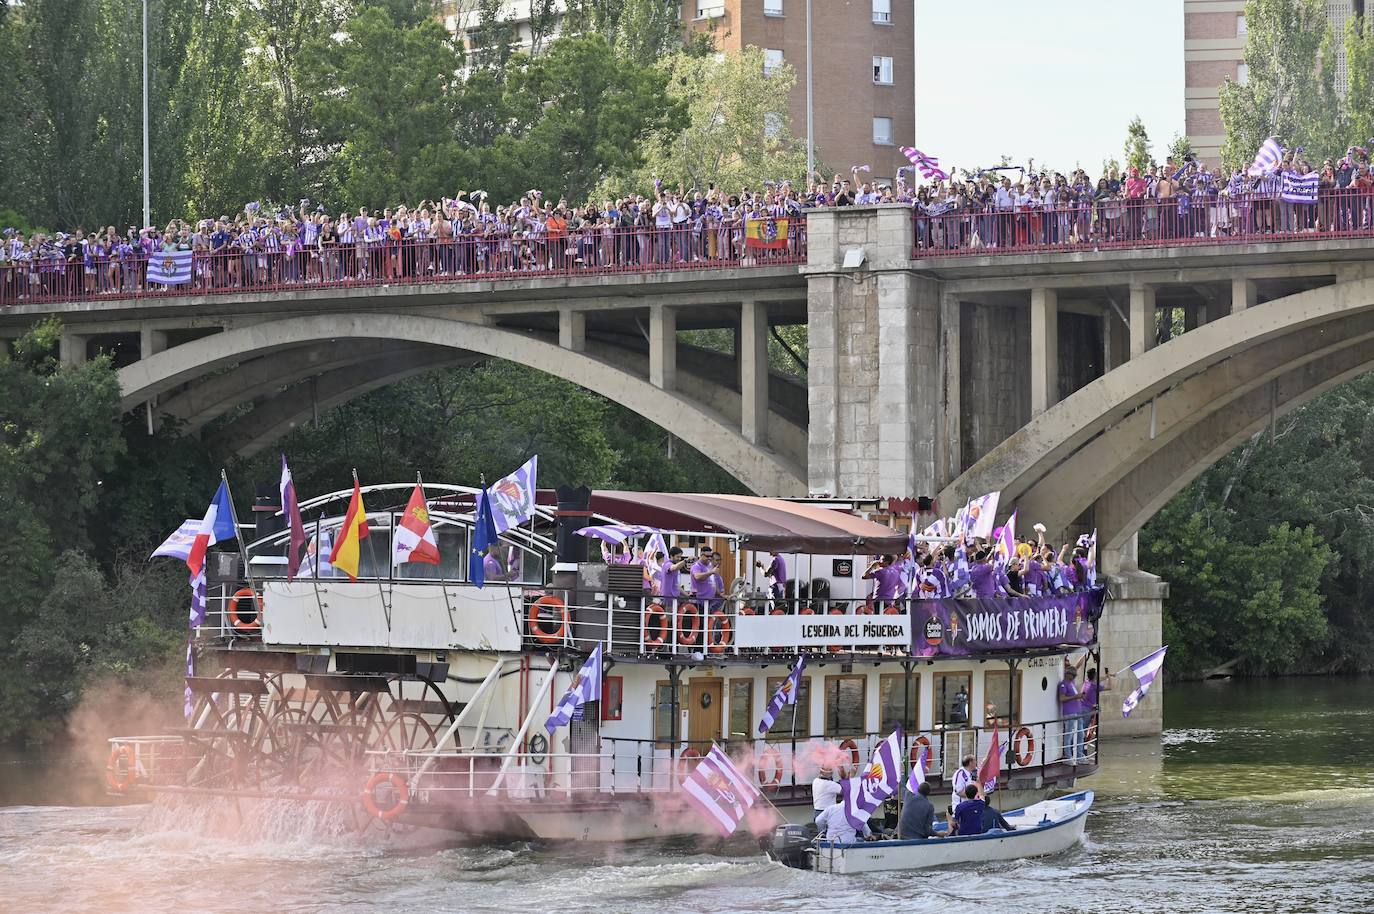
{"x":1038,"y":830}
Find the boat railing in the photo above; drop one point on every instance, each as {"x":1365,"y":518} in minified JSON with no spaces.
{"x":140,"y":760}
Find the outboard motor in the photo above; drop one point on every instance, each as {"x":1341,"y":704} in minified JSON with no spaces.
{"x":790,"y":844}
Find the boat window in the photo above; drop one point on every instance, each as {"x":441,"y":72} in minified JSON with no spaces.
{"x":783,"y":726}
{"x":952,"y":699}
{"x":898,"y":702}
{"x":663,"y":712}
{"x":844,"y":706}
{"x":742,"y":723}
{"x":1001,"y":702}
{"x":453,"y":557}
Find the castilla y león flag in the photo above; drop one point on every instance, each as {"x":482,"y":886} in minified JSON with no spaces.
{"x":415,"y":534}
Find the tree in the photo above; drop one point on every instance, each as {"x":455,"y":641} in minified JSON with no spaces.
{"x":1359,"y":62}
{"x":737,"y":129}
{"x":1137,"y":148}
{"x":1289,"y":93}
{"x":1180,"y":149}
{"x":641,"y":30}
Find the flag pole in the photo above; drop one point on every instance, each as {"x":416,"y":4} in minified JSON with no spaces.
{"x":443,"y":584}
{"x":243,"y":549}
{"x":372,"y":553}
{"x":315,"y":574}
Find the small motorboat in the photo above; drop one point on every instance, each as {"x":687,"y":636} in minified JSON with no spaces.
{"x":1047,"y":827}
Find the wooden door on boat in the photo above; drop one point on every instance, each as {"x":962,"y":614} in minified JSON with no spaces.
{"x":703,"y":713}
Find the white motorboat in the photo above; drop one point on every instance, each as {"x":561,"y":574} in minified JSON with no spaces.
{"x":1048,"y":827}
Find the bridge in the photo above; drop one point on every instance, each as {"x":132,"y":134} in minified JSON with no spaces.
{"x":1088,"y":385}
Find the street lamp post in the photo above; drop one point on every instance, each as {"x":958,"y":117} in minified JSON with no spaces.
{"x":147,"y":215}
{"x":810,"y":104}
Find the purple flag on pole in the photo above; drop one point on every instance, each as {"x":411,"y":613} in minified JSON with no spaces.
{"x":295,"y":550}
{"x":916,"y":777}
{"x":862,"y":795}
{"x":1145,"y":669}
{"x":785,"y":695}
{"x":197,"y":617}
{"x":929,"y":166}
{"x":720,"y":791}
{"x":512,"y":497}
{"x":188,"y":703}
{"x":585,"y":687}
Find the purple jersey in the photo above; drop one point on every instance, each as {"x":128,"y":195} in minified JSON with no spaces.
{"x":705,"y":588}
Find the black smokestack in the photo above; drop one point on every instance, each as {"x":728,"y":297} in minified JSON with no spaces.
{"x":574,"y":513}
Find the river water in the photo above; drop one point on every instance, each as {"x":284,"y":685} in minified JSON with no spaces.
{"x":1260,"y":797}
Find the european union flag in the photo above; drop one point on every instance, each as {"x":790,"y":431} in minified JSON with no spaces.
{"x":483,"y":535}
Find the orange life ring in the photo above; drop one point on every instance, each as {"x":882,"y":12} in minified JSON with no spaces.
{"x":686,"y":634}
{"x":233,"y":611}
{"x":655,"y":641}
{"x":853,"y":748}
{"x":536,"y":620}
{"x":866,"y":609}
{"x":718,"y":632}
{"x":917,"y":745}
{"x":120,"y":778}
{"x":682,"y":767}
{"x":398,"y":784}
{"x":1091,"y":735}
{"x":892,"y":609}
{"x":835,"y":648}
{"x":770,"y":759}
{"x":807,"y":611}
{"x":1025,"y":753}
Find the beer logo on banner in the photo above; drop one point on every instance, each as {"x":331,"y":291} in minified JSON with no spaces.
{"x":935,"y":631}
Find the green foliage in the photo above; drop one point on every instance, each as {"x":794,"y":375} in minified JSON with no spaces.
{"x":1359,"y":61}
{"x":639,"y":30}
{"x":1287,"y":93}
{"x":1180,"y":149}
{"x":1137,"y":148}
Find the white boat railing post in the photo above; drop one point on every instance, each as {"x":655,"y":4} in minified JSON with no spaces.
{"x":524,"y":728}
{"x":482,"y":691}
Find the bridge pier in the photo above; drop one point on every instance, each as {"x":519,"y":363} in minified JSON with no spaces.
{"x":1131,"y":627}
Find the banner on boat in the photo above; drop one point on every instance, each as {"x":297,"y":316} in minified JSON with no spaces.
{"x":822,"y":631}
{"x":955,"y":628}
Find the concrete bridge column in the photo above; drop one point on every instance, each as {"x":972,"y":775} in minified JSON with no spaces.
{"x":947,"y":436}
{"x":1044,"y":349}
{"x":1142,"y":318}
{"x":71,"y":348}
{"x":1244,"y":294}
{"x":1131,"y":627}
{"x":662,"y":347}
{"x":752,"y":350}
{"x":572,"y":330}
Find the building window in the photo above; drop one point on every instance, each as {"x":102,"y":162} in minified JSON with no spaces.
{"x":1001,"y":702}
{"x":844,"y":706}
{"x":882,"y":71}
{"x":951,"y":699}
{"x":663,"y":712}
{"x":1240,"y":26}
{"x":882,"y":131}
{"x":882,"y":11}
{"x":1242,"y":73}
{"x":742,"y":721}
{"x":710,"y":9}
{"x":772,"y":59}
{"x":772,"y":7}
{"x":772,"y":125}
{"x":783,"y":727}
{"x":897,"y":702}
{"x":612,"y":697}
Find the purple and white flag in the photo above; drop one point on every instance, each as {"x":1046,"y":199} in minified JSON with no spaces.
{"x":975,"y":518}
{"x":1145,"y":669}
{"x":512,"y":497}
{"x":197,"y":615}
{"x":929,"y":166}
{"x":188,"y":700}
{"x":178,"y":545}
{"x":1089,"y":542}
{"x":171,"y":268}
{"x":1004,"y":539}
{"x":585,"y":687}
{"x":1268,"y":158}
{"x":615,"y":534}
{"x":1300,"y":188}
{"x":721,"y":791}
{"x":863,"y":794}
{"x":917,"y":776}
{"x":785,"y":695}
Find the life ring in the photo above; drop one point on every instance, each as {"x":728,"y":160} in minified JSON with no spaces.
{"x":120,"y":771}
{"x":807,"y":611}
{"x":1091,"y":736}
{"x":688,"y":634}
{"x":892,"y":609}
{"x":853,"y":748}
{"x":718,"y":632}
{"x":655,"y":641}
{"x":1026,"y":752}
{"x":770,"y":761}
{"x":536,"y":620}
{"x":866,"y":609}
{"x":917,"y":745}
{"x":682,"y":762}
{"x":397,"y":804}
{"x":233,"y":611}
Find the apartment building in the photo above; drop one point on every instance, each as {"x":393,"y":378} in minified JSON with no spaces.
{"x":1214,"y":33}
{"x":864,"y":86}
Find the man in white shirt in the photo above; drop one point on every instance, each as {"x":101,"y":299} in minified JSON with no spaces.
{"x":834,"y":827}
{"x":965,"y":776}
{"x":825,"y":792}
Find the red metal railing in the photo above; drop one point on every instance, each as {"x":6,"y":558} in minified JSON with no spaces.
{"x":1123,"y":223}
{"x":51,"y":277}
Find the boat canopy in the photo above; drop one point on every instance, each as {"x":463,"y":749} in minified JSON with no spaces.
{"x":766,"y":524}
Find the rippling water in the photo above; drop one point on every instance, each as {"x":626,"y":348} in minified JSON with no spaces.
{"x":1260,"y":797}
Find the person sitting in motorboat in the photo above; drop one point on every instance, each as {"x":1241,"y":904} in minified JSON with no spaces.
{"x":918,"y":814}
{"x":824,"y":792}
{"x":994,"y":820}
{"x":835,"y":827}
{"x":968,"y":815}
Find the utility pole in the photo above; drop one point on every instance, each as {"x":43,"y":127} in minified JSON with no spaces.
{"x":147,"y":215}
{"x":810,"y":104}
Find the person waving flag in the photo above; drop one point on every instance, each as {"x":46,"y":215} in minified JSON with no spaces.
{"x":585,"y":687}
{"x":415,"y":534}
{"x":785,"y":695}
{"x":215,"y":527}
{"x":351,"y":534}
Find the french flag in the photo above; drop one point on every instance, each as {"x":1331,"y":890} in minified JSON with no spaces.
{"x":216,"y":526}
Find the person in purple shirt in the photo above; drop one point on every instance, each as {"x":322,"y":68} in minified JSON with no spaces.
{"x":777,"y":570}
{"x":887,"y":580}
{"x":704,"y":579}
{"x":669,"y":587}
{"x":1071,"y":710}
{"x":492,"y":569}
{"x":1090,"y":697}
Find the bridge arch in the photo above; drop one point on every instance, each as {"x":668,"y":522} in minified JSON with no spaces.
{"x":758,"y":468}
{"x":1133,"y":438}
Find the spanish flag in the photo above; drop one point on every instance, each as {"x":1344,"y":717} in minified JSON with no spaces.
{"x":353,"y":532}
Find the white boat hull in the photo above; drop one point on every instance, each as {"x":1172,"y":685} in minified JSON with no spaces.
{"x":1048,"y":827}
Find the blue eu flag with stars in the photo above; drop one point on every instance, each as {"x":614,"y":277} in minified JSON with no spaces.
{"x":483,"y":535}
